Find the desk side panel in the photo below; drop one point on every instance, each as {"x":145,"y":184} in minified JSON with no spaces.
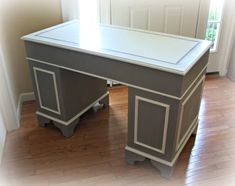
{"x":75,"y":91}
{"x":149,"y":118}
{"x":195,"y":73}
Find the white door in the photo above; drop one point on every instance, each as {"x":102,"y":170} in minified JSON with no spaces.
{"x":170,"y":16}
{"x":180,"y":17}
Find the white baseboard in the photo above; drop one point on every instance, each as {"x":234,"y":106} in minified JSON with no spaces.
{"x":3,"y":133}
{"x":29,"y":96}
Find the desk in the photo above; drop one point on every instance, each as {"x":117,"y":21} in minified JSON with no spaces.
{"x":71,"y":62}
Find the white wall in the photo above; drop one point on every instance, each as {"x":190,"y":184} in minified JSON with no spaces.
{"x":7,"y":111}
{"x":231,"y":68}
{"x":226,"y":39}
{"x":3,"y":132}
{"x":20,"y":18}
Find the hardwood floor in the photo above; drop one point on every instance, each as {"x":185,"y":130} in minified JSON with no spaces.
{"x":95,"y":154}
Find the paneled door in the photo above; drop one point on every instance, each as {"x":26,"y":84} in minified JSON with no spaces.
{"x":178,"y":17}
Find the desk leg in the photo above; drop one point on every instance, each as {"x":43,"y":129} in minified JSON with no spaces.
{"x":159,"y":126}
{"x":42,"y":121}
{"x":165,"y":171}
{"x":67,"y":131}
{"x":105,"y":101}
{"x":131,"y":157}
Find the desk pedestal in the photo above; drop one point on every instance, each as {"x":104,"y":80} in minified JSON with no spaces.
{"x":62,"y":96}
{"x":159,"y":127}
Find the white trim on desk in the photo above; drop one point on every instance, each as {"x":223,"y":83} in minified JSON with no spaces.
{"x":178,"y":141}
{"x":128,"y":84}
{"x":35,"y":69}
{"x":179,"y":69}
{"x":165,"y":162}
{"x":167,"y":111}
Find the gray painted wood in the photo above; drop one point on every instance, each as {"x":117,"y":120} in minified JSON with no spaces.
{"x":47,"y":89}
{"x":154,"y":125}
{"x":132,"y":158}
{"x":165,"y":171}
{"x":81,"y":76}
{"x":111,"y":69}
{"x":67,"y":131}
{"x":191,"y":110}
{"x":107,"y":68}
{"x":42,"y":121}
{"x":172,"y":124}
{"x":74,"y":91}
{"x":104,"y":101}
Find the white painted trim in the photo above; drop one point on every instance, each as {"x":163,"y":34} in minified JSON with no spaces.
{"x":105,"y":78}
{"x":2,"y":147}
{"x":104,"y":11}
{"x":201,"y":48}
{"x":35,"y":69}
{"x":149,"y":156}
{"x":131,"y":11}
{"x":178,"y":141}
{"x":168,"y":163}
{"x":195,"y":80}
{"x":127,"y":84}
{"x":167,"y":110}
{"x":66,"y":123}
{"x":3,"y":135}
{"x":178,"y":144}
{"x":29,"y":96}
{"x":7,"y":97}
{"x":23,"y":97}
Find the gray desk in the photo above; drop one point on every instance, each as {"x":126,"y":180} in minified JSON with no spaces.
{"x":71,"y":62}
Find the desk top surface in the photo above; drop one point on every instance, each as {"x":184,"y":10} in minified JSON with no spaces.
{"x":165,"y":52}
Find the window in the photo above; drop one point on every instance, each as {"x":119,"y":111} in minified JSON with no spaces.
{"x":214,"y":23}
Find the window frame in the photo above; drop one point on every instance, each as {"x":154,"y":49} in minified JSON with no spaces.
{"x":218,"y":30}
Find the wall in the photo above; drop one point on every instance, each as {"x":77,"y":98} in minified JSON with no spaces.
{"x":2,"y":136}
{"x":226,"y":40}
{"x":231,"y":68}
{"x":20,"y":18}
{"x":7,"y":111}
{"x":3,"y":88}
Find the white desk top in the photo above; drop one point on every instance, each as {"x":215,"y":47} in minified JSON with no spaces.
{"x":151,"y":49}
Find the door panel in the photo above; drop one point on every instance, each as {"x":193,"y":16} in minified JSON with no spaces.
{"x":139,"y":18}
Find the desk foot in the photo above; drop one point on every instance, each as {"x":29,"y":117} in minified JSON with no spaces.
{"x":68,"y":130}
{"x":131,"y":157}
{"x":165,"y":171}
{"x":104,"y":101}
{"x":42,"y":121}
